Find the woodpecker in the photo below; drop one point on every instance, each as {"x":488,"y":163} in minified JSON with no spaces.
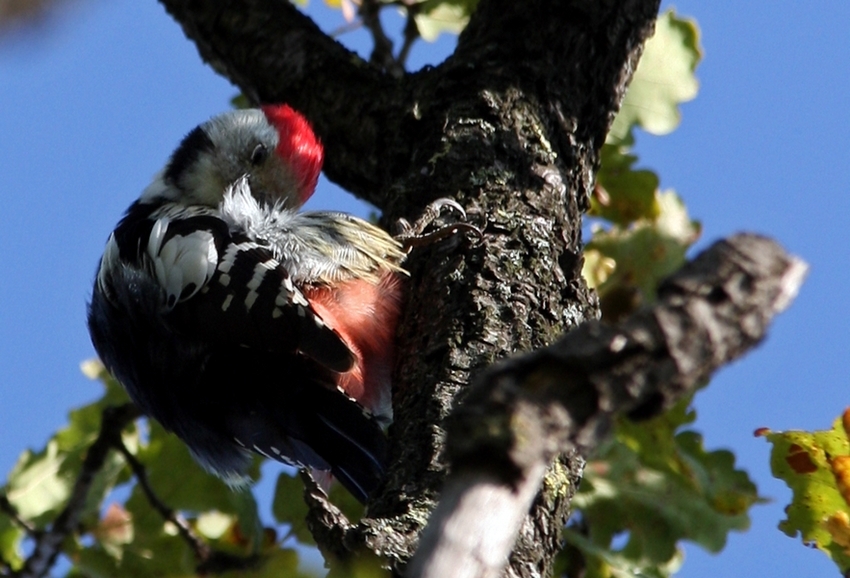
{"x":242,"y":324}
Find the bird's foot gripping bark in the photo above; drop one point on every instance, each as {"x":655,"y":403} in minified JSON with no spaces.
{"x":418,"y":234}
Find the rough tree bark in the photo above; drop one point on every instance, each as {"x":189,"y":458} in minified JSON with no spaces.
{"x":511,"y":126}
{"x":519,"y":414}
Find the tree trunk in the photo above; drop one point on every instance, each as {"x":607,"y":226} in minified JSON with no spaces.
{"x":510,"y":126}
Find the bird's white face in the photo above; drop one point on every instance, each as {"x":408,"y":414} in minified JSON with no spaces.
{"x":218,"y":153}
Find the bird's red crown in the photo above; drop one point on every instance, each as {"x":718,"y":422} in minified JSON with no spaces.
{"x":298,"y":145}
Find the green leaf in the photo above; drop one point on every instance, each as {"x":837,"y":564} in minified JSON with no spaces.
{"x":40,"y":483}
{"x":289,"y":508}
{"x":605,"y":563}
{"x":641,"y":255}
{"x":281,"y":563}
{"x":36,"y":488}
{"x":815,"y":467}
{"x":10,"y":542}
{"x":663,"y":79}
{"x":657,"y":486}
{"x":626,"y":195}
{"x":240,"y":101}
{"x":163,"y":554}
{"x":434,"y":17}
{"x":182,"y":484}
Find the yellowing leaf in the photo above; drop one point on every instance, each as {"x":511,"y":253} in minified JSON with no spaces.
{"x":36,"y":487}
{"x":214,"y":524}
{"x":838,"y":526}
{"x":597,"y":268}
{"x":815,"y":467}
{"x":437,"y":16}
{"x":92,"y":368}
{"x":663,"y":79}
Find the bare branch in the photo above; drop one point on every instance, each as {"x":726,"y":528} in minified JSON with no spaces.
{"x":48,"y":544}
{"x":520,"y":414}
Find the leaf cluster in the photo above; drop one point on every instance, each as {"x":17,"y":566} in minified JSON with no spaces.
{"x":193,"y":522}
{"x":653,"y":484}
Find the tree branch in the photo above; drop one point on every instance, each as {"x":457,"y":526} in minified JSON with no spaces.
{"x":48,"y":544}
{"x":326,"y":522}
{"x":521,"y":413}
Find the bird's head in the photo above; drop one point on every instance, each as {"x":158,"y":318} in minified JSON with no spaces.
{"x":274,"y":146}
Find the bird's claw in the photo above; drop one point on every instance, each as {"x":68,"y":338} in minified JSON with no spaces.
{"x":414,"y":235}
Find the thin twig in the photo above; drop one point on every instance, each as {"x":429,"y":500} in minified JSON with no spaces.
{"x":382,"y":53}
{"x":48,"y":544}
{"x":411,"y":33}
{"x":209,"y":561}
{"x":199,"y":547}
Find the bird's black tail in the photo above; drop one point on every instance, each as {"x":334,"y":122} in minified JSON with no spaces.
{"x":350,"y":441}
{"x":297,"y":417}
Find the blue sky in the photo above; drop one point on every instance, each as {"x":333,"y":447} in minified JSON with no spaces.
{"x":92,"y":104}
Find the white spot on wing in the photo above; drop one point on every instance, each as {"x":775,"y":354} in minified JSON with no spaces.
{"x":257,"y":278}
{"x":183,"y":262}
{"x":156,"y":236}
{"x":226,"y":304}
{"x":229,"y":258}
{"x":260,"y":271}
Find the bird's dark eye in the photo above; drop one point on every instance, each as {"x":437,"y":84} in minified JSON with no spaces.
{"x":259,"y":155}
